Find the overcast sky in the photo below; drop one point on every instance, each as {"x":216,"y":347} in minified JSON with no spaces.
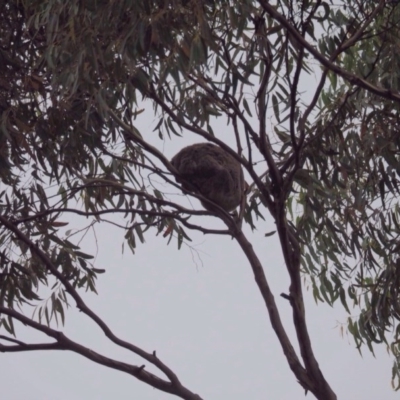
{"x":205,"y":319}
{"x":200,"y":309}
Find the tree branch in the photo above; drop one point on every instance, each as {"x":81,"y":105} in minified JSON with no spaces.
{"x":262,"y":283}
{"x":35,"y":250}
{"x":353,"y":79}
{"x":173,"y":215}
{"x":64,"y":343}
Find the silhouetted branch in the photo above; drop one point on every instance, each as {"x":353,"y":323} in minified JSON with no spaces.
{"x":64,"y":343}
{"x":348,"y":76}
{"x":35,"y":250}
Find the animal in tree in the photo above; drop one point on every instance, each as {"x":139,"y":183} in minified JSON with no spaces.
{"x":207,"y":169}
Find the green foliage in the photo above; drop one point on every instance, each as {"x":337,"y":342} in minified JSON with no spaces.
{"x":348,"y":195}
{"x":76,"y":76}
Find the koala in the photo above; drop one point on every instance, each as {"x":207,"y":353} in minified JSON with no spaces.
{"x":208,"y":170}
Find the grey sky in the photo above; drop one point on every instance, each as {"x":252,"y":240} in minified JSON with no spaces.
{"x":201,"y":311}
{"x":207,"y":322}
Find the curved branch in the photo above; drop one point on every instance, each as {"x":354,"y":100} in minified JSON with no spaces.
{"x":35,"y":250}
{"x":64,"y":343}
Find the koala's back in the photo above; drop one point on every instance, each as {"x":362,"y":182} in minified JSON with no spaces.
{"x":212,"y":172}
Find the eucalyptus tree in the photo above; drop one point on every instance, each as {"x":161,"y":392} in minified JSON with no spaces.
{"x":322,"y":161}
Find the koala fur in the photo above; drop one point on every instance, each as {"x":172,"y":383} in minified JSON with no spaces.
{"x":212,"y":172}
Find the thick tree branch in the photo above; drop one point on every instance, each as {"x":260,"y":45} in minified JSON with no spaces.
{"x":262,"y":283}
